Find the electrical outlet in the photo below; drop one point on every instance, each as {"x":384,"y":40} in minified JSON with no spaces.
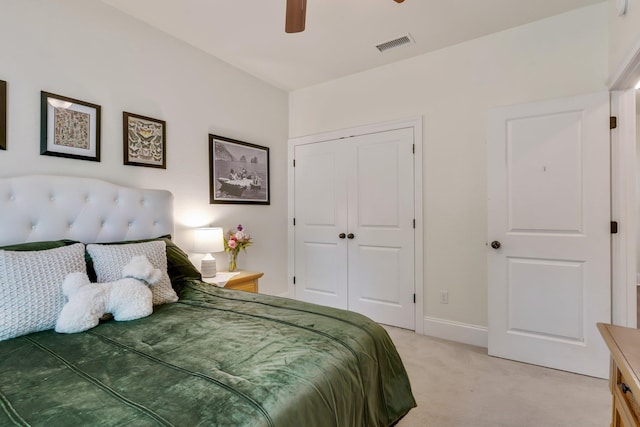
{"x":444,"y":297}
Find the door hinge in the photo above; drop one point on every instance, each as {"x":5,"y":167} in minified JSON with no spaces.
{"x":413,"y":150}
{"x":414,"y":223}
{"x":614,"y":227}
{"x":414,"y":298}
{"x":613,"y":122}
{"x":294,"y":163}
{"x":294,"y":280}
{"x":294,"y":222}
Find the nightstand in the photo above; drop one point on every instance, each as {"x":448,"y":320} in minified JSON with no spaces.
{"x":243,"y":281}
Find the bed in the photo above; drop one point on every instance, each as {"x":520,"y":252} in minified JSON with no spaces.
{"x":214,"y":357}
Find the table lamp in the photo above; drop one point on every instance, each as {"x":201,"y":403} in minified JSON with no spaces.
{"x":206,"y":241}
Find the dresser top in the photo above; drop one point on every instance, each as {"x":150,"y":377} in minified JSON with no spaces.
{"x":624,"y":344}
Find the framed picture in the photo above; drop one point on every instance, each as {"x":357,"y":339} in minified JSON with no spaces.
{"x":145,"y":141}
{"x":3,"y":115}
{"x":238,"y":172}
{"x":69,"y":128}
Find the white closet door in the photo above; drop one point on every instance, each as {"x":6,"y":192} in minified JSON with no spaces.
{"x":321,"y":215}
{"x":381,"y":251}
{"x":354,"y":232}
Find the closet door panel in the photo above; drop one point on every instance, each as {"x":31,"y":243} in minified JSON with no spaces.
{"x":379,"y":282}
{"x":321,"y":215}
{"x":380,"y":211}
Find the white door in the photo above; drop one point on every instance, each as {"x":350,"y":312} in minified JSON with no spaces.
{"x":320,"y":217}
{"x":549,"y":213}
{"x":354,"y":236}
{"x":380,"y":209}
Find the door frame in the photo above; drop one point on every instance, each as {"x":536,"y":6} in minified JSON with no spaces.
{"x":416,"y":124}
{"x":624,"y":210}
{"x":624,"y":197}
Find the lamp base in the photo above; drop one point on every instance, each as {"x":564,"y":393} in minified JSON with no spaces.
{"x":208,"y":266}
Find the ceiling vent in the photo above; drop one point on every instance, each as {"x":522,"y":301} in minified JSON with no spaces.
{"x":400,"y":41}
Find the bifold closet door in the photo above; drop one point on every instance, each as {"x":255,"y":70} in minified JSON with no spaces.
{"x":381,"y":213}
{"x":354,"y":225}
{"x":321,"y":217}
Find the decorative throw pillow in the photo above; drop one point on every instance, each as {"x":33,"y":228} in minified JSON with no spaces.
{"x":179,"y":267}
{"x":38,"y":246}
{"x":31,"y":287}
{"x":108,"y":261}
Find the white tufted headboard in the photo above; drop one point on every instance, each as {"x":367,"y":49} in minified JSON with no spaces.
{"x":47,"y":207}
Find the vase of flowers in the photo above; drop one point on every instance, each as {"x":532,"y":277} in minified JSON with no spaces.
{"x":235,"y":241}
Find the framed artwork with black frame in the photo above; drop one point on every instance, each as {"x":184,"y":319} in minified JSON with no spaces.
{"x":3,"y":115}
{"x":145,"y":141}
{"x":238,"y":172}
{"x":69,"y":128}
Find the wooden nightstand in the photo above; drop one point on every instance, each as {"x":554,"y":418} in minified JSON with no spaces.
{"x":243,"y":281}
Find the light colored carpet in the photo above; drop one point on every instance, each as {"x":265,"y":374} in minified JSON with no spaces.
{"x":458,"y":385}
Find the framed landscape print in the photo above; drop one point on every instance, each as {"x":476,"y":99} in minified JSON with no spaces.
{"x":238,"y":171}
{"x":3,"y":115}
{"x":145,"y":141}
{"x":69,"y":128}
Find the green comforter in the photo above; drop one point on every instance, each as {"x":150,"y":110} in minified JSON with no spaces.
{"x":215,"y":358}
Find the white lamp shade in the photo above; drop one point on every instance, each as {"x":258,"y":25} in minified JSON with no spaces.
{"x":208,"y":240}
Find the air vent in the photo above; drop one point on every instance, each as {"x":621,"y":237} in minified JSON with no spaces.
{"x":400,"y":41}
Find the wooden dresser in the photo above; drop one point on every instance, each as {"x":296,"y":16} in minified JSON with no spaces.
{"x":624,"y":379}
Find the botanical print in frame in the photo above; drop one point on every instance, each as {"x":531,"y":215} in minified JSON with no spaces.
{"x":69,"y":128}
{"x":3,"y":115}
{"x":238,"y":171}
{"x":145,"y":141}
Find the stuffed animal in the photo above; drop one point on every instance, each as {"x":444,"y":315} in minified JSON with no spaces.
{"x":127,"y":299}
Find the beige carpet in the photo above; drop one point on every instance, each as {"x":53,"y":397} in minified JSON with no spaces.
{"x":458,"y":385}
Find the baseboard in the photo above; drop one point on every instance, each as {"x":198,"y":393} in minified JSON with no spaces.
{"x":456,"y":331}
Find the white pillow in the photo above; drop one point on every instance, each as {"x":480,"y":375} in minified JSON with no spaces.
{"x":31,"y":295}
{"x":108,"y":261}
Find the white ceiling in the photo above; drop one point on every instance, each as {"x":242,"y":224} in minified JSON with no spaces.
{"x":340,"y":36}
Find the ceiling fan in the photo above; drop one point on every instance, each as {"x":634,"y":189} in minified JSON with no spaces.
{"x":296,"y":14}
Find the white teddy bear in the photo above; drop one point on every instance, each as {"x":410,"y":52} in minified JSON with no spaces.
{"x":127,"y":299}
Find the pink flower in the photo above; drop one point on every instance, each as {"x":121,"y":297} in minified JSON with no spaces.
{"x":237,"y":240}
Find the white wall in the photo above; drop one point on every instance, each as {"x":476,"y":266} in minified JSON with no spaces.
{"x":452,"y":89}
{"x":88,"y":51}
{"x":624,"y":34}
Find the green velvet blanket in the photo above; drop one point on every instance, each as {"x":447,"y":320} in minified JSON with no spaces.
{"x":215,"y":358}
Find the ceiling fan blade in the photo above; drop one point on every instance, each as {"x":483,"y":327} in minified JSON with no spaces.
{"x":296,"y":13}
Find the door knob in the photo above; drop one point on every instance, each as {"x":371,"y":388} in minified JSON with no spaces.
{"x":495,"y":244}
{"x":342,"y":235}
{"x":350,"y":236}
